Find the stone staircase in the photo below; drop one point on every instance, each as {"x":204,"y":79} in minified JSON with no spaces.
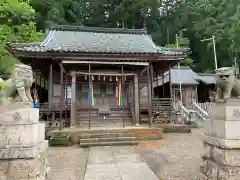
{"x":107,"y":138}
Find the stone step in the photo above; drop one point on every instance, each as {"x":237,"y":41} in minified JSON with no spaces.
{"x":112,"y":143}
{"x":96,"y":112}
{"x":103,"y":120}
{"x":120,"y":125}
{"x":102,"y":117}
{"x":107,"y":135}
{"x":107,"y":139}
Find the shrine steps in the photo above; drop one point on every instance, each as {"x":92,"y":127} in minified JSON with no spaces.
{"x":116,"y":118}
{"x":108,"y":139}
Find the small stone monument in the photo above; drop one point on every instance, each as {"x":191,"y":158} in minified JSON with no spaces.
{"x":22,"y":136}
{"x":222,"y":133}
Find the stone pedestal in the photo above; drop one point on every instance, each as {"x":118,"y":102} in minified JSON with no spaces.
{"x":222,"y":142}
{"x":22,"y":145}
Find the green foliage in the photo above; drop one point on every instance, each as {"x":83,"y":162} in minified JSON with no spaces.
{"x":3,"y":85}
{"x":163,"y":20}
{"x":202,"y":19}
{"x":6,"y":62}
{"x":17,"y":25}
{"x":187,"y":61}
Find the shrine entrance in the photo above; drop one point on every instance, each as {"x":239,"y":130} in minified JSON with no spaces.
{"x":94,"y":63}
{"x":102,"y":98}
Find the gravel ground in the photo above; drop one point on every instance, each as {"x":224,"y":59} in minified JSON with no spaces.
{"x":67,"y":163}
{"x":175,"y":157}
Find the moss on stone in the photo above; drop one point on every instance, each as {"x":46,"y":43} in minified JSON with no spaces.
{"x":59,"y":139}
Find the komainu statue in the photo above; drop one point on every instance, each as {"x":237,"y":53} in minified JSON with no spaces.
{"x":20,"y":81}
{"x":227,"y":83}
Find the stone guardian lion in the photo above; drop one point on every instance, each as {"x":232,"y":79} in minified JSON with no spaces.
{"x":21,"y":80}
{"x":227,"y":83}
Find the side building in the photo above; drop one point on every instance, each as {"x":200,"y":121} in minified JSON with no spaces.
{"x":186,"y":86}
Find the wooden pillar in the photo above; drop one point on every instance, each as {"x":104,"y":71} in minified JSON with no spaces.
{"x":149,"y":95}
{"x":157,"y":84}
{"x":163,"y":85}
{"x":73,"y":101}
{"x":66,"y":95}
{"x":136,"y":99}
{"x":170,"y":84}
{"x":90,"y":91}
{"x":62,"y":95}
{"x":41,"y":87}
{"x":50,"y":88}
{"x":122,"y":81}
{"x":53,"y":116}
{"x":151,"y":78}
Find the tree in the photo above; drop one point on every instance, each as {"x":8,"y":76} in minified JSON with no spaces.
{"x":188,"y":61}
{"x":162,"y":18}
{"x":202,"y":19}
{"x":17,"y":25}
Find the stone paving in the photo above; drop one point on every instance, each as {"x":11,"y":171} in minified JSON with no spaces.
{"x":117,"y":163}
{"x":175,"y":157}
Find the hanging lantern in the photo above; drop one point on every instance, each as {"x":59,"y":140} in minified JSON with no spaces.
{"x":104,"y":78}
{"x":116,"y":79}
{"x":110,"y":78}
{"x":99,"y":77}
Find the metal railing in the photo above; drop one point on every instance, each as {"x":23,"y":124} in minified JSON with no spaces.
{"x":204,"y":115}
{"x":206,"y":106}
{"x":185,"y":114}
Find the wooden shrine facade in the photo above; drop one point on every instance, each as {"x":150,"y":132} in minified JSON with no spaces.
{"x":97,"y":69}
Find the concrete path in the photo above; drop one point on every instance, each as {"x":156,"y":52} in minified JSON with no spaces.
{"x":175,"y":157}
{"x":116,"y":163}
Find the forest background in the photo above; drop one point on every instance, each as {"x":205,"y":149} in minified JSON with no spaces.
{"x":191,"y":21}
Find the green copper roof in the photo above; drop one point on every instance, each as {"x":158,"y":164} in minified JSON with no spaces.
{"x":94,"y":40}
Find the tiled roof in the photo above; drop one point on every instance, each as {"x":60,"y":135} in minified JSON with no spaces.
{"x":206,"y":78}
{"x":173,"y":51}
{"x":95,"y":40}
{"x":184,"y":75}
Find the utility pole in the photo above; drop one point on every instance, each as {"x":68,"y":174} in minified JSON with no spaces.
{"x":236,"y":68}
{"x":214,"y":49}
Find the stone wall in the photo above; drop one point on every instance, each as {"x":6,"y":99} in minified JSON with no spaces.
{"x":221,"y":159}
{"x":22,"y":145}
